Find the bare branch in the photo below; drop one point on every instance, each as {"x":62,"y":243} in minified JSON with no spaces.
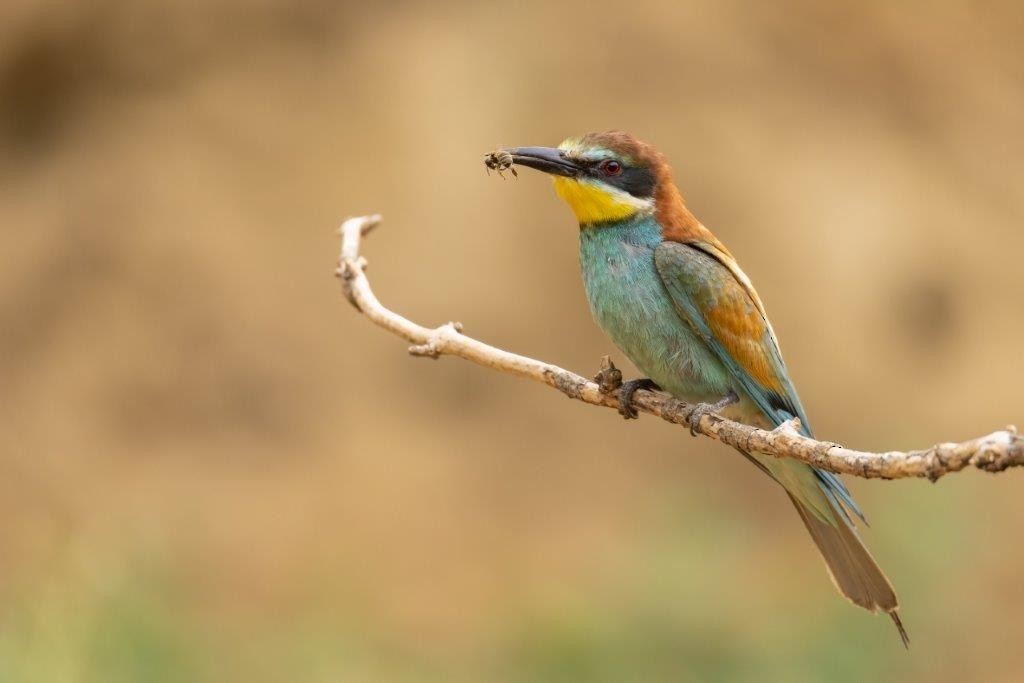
{"x":994,"y":452}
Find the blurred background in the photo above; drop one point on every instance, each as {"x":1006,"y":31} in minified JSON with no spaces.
{"x":212,"y":468}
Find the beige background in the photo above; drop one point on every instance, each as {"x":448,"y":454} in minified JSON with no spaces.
{"x":211,"y":468}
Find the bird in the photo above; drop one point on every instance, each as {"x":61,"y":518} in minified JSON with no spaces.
{"x":673,"y":299}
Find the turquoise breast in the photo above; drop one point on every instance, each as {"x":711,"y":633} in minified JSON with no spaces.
{"x":630,"y":303}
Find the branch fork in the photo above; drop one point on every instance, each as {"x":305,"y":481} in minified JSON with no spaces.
{"x":993,"y":452}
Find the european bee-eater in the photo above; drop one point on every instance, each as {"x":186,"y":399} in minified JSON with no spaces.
{"x":674,"y":300}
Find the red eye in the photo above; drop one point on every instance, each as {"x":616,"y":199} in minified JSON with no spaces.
{"x":611,"y":167}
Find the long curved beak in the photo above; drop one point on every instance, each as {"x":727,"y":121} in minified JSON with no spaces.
{"x":547,"y":159}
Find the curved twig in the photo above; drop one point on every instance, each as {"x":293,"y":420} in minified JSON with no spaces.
{"x":994,"y":452}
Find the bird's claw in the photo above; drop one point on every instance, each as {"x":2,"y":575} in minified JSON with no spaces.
{"x":701,"y":409}
{"x":698,"y":411}
{"x":626,"y":408}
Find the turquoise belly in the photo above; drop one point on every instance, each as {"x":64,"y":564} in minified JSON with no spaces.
{"x":630,"y":304}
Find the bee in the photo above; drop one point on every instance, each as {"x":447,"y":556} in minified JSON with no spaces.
{"x":499,"y":160}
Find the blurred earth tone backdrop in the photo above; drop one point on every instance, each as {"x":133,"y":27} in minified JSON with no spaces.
{"x":212,"y":468}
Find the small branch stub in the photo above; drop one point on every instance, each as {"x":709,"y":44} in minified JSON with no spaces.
{"x":434,"y":347}
{"x":609,"y":377}
{"x":993,"y":452}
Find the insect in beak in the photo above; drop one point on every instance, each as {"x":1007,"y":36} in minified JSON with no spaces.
{"x":499,"y":160}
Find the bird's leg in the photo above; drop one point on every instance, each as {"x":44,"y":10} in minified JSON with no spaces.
{"x":626,"y":392}
{"x":702,"y":409}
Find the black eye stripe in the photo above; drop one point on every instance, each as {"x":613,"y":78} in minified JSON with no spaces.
{"x":637,"y":181}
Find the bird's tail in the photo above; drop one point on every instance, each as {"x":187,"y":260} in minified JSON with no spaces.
{"x":820,"y":500}
{"x":854,"y":572}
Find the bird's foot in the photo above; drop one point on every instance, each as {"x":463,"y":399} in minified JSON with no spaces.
{"x":626,"y":391}
{"x":701,"y":409}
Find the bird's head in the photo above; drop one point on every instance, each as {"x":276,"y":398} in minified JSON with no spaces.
{"x":605,"y":177}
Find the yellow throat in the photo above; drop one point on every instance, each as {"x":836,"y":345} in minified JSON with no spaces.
{"x":596,"y":203}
